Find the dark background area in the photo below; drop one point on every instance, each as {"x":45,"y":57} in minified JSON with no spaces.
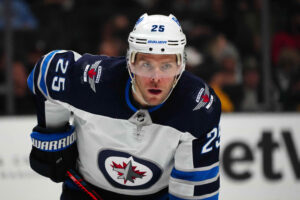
{"x":224,"y":43}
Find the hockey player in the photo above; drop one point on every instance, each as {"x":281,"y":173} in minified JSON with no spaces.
{"x":142,"y":127}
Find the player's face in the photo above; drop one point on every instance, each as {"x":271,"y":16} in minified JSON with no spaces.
{"x":154,"y":76}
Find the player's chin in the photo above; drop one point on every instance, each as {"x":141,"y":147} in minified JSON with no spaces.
{"x":154,"y":103}
{"x":154,"y":100}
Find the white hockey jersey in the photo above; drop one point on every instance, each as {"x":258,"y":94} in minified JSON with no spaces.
{"x":122,"y":148}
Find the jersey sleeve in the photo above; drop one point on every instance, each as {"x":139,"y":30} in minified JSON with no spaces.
{"x":51,"y":83}
{"x":51,"y":77}
{"x":196,"y":171}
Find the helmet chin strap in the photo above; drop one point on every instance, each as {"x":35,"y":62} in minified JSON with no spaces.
{"x":133,"y":87}
{"x":139,"y":96}
{"x":173,"y":86}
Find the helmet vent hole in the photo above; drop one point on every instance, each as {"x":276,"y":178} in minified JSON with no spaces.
{"x":150,"y":49}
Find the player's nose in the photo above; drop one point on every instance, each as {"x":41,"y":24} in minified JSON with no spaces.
{"x":155,"y":76}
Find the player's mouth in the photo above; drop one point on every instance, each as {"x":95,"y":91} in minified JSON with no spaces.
{"x":154,"y":91}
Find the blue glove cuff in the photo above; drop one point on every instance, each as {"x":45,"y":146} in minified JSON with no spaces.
{"x":53,"y":142}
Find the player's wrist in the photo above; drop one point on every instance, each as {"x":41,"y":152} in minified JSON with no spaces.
{"x":54,"y":151}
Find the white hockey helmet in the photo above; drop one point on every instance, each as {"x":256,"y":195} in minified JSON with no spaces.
{"x":157,"y":34}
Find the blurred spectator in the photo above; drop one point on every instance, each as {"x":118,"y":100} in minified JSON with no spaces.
{"x":226,"y":55}
{"x":55,"y":24}
{"x":111,"y":47}
{"x":35,"y":51}
{"x":22,"y":18}
{"x":251,"y":97}
{"x":286,"y":59}
{"x":206,"y":67}
{"x":114,"y":36}
{"x":292,"y":101}
{"x":286,"y":77}
{"x":221,"y":34}
{"x":221,"y":18}
{"x":290,"y":36}
{"x":248,"y":27}
{"x":117,"y":26}
{"x":194,"y":58}
{"x":217,"y":82}
{"x":23,"y":101}
{"x":20,"y":79}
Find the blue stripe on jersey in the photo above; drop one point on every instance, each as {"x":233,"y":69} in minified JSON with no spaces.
{"x":200,"y":190}
{"x":43,"y":71}
{"x":30,"y":81}
{"x":195,"y":176}
{"x":127,"y":90}
{"x":215,"y":197}
{"x":171,"y":197}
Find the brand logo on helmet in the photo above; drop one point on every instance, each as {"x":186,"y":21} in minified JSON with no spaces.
{"x":92,"y":74}
{"x":157,"y":41}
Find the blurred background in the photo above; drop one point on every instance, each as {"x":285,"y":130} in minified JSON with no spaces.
{"x":247,"y":50}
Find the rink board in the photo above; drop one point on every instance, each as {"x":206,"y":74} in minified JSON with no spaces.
{"x":260,"y":154}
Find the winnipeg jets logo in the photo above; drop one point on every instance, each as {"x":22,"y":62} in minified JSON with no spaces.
{"x":127,"y":171}
{"x":204,"y":99}
{"x":92,"y":74}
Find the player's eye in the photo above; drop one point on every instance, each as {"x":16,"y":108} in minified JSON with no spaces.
{"x":146,"y":66}
{"x":166,"y":67}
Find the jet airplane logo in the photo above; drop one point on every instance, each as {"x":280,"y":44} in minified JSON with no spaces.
{"x":127,"y":171}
